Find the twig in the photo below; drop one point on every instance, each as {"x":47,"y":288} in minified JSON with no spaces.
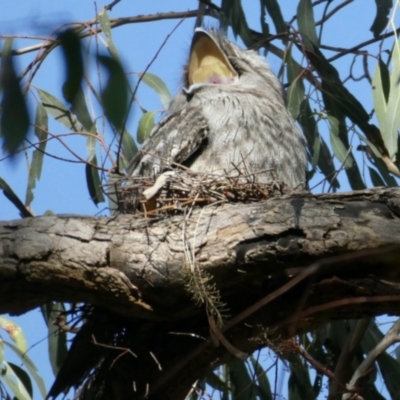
{"x":316,"y":364}
{"x":367,"y":364}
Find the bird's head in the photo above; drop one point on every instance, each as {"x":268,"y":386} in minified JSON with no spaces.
{"x":214,"y":60}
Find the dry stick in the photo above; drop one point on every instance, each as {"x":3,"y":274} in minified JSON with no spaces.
{"x":311,"y":360}
{"x":111,"y":5}
{"x":114,"y":23}
{"x":333,"y":12}
{"x":390,"y":338}
{"x":337,"y":304}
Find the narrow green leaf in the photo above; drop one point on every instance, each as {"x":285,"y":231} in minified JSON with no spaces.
{"x":275,"y":13}
{"x":264,"y":26}
{"x":10,"y":194}
{"x":15,"y":332}
{"x":159,"y":86}
{"x":91,"y":147}
{"x":392,"y":122}
{"x":262,"y":378}
{"x":243,"y":384}
{"x":14,"y":383}
{"x":80,"y":110}
{"x":23,"y":377}
{"x":216,"y":382}
{"x":337,"y":97}
{"x":306,"y":22}
{"x":236,"y":18}
{"x":28,"y":363}
{"x":375,"y":178}
{"x":115,"y":95}
{"x":35,"y":168}
{"x":296,"y":91}
{"x":145,"y":125}
{"x":383,"y":8}
{"x":14,"y":118}
{"x":380,"y":100}
{"x":299,"y":383}
{"x":93,"y":182}
{"x":334,"y":104}
{"x":59,"y":111}
{"x":105,"y":25}
{"x":295,"y":95}
{"x":1,"y":352}
{"x":385,"y":78}
{"x":319,"y":150}
{"x":338,"y":147}
{"x":316,"y":150}
{"x":70,"y":44}
{"x":129,"y":148}
{"x":57,"y":337}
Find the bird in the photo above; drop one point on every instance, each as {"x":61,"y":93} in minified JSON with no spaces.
{"x":229,"y":117}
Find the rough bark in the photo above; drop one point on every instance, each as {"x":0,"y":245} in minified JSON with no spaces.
{"x":136,"y":269}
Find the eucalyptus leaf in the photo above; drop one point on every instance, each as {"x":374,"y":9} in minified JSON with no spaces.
{"x":31,"y":367}
{"x":15,"y":332}
{"x":70,"y":44}
{"x":129,"y":148}
{"x":105,"y":25}
{"x":59,"y":111}
{"x":243,"y":384}
{"x":14,"y":383}
{"x":93,"y":182}
{"x":36,"y":165}
{"x":115,"y":95}
{"x":80,"y":110}
{"x":383,"y":8}
{"x":14,"y":118}
{"x":145,"y":125}
{"x":380,"y":100}
{"x":274,"y":11}
{"x":375,"y":178}
{"x":306,"y":22}
{"x":338,"y":147}
{"x":23,"y":377}
{"x":57,"y":338}
{"x":299,"y":383}
{"x":159,"y":86}
{"x":10,"y":194}
{"x":392,"y":121}
{"x":264,"y":386}
{"x":234,"y":15}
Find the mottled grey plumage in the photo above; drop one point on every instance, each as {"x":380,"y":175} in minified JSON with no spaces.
{"x":237,"y":118}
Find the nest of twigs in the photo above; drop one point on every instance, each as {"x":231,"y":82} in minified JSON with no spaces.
{"x":172,"y":191}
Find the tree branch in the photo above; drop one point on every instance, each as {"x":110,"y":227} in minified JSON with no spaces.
{"x":134,"y":270}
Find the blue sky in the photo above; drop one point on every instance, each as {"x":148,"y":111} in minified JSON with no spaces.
{"x":62,"y":188}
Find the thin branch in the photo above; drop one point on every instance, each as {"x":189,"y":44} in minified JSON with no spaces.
{"x":334,"y":11}
{"x":367,"y":364}
{"x":114,"y":23}
{"x":312,"y":361}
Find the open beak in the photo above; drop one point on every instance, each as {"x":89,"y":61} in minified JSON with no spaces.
{"x":208,"y":63}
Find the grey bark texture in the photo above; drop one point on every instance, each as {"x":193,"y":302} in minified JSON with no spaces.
{"x":136,"y":269}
